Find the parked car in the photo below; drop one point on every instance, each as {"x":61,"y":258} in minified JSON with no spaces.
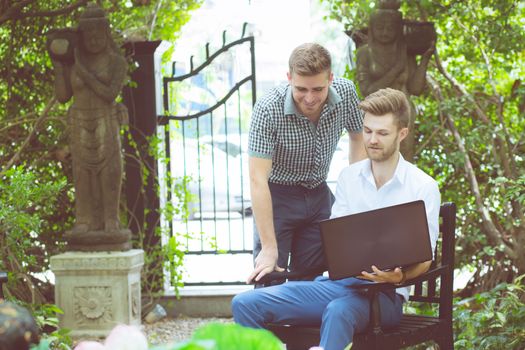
{"x":234,"y":145}
{"x":219,"y":182}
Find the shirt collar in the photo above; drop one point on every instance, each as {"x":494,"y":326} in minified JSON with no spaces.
{"x":333,"y":97}
{"x":399,"y":173}
{"x":401,"y":170}
{"x":289,"y":106}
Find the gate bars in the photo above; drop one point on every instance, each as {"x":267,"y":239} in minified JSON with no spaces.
{"x":166,"y":122}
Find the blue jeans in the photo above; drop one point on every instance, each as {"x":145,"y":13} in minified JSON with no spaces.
{"x":339,"y":311}
{"x":297,"y":212}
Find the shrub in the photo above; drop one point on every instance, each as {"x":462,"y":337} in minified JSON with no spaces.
{"x":493,"y":319}
{"x":24,"y":202}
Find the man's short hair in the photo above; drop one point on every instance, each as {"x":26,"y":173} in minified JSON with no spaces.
{"x":310,"y":59}
{"x":386,"y":101}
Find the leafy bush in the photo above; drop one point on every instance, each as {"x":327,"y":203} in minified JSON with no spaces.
{"x":229,"y":336}
{"x":493,"y":319}
{"x":24,"y":202}
{"x":46,"y":317}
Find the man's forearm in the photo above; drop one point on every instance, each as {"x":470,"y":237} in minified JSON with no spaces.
{"x":416,"y":270}
{"x":357,"y":149}
{"x":263,"y":214}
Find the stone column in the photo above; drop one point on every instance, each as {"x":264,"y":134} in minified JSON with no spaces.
{"x":98,"y":290}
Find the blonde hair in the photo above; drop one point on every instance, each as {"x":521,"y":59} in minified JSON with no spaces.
{"x":386,"y":101}
{"x":310,"y":59}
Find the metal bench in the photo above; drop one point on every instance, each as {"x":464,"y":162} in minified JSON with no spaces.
{"x":434,"y":287}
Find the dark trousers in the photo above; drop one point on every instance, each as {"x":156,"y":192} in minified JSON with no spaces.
{"x":297,"y":211}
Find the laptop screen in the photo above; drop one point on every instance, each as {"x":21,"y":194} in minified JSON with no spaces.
{"x":389,"y":237}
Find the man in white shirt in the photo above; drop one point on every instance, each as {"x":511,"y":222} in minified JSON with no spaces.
{"x":382,"y":180}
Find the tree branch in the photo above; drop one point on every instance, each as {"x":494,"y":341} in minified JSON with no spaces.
{"x":461,"y":89}
{"x":428,"y":139}
{"x":511,"y":166}
{"x":15,"y":11}
{"x":154,"y":20}
{"x":62,"y":11}
{"x":503,"y":155}
{"x":489,"y":227}
{"x":16,"y":157}
{"x":29,"y":118}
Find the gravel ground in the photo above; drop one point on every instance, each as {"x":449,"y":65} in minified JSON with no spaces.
{"x":169,"y":330}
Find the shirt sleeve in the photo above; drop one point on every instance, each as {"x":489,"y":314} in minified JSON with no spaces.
{"x":354,"y":122}
{"x":262,"y":136}
{"x":432,"y":198}
{"x":340,"y":206}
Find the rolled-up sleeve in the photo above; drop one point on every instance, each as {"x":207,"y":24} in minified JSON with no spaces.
{"x":354,"y":122}
{"x":262,"y":136}
{"x":432,"y":198}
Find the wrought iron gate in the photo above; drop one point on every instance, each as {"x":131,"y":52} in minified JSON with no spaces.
{"x":204,"y":127}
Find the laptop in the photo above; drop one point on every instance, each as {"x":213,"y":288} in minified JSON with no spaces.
{"x":390,"y":237}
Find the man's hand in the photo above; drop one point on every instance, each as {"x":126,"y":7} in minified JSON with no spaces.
{"x":265,"y":262}
{"x":392,"y":276}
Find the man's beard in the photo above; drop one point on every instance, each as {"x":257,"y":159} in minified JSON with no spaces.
{"x":385,"y":154}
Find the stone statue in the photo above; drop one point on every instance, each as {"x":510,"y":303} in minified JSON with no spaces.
{"x":388,"y":59}
{"x":90,"y":69}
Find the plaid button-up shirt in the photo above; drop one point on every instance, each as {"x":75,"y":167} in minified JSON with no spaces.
{"x":301,"y":151}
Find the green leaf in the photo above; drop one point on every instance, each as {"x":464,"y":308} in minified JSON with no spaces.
{"x":237,"y":337}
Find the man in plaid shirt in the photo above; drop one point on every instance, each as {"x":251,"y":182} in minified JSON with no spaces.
{"x":294,"y":132}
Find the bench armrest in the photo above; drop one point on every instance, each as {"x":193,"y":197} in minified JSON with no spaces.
{"x":373,"y":288}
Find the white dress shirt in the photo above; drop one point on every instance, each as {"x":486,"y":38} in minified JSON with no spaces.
{"x":357,"y":192}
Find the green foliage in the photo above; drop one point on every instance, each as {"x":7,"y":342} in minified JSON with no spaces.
{"x":493,"y":319}
{"x":353,"y":14}
{"x":190,"y":345}
{"x":470,"y":125}
{"x":46,"y":317}
{"x":515,"y":189}
{"x":233,"y":337}
{"x":33,"y":127}
{"x":25,"y":201}
{"x":43,"y":345}
{"x":153,"y":21}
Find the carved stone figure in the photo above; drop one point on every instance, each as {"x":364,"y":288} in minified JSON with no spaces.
{"x":388,"y":59}
{"x":90,"y":69}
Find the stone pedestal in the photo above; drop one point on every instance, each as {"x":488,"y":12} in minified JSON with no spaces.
{"x":98,"y":290}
